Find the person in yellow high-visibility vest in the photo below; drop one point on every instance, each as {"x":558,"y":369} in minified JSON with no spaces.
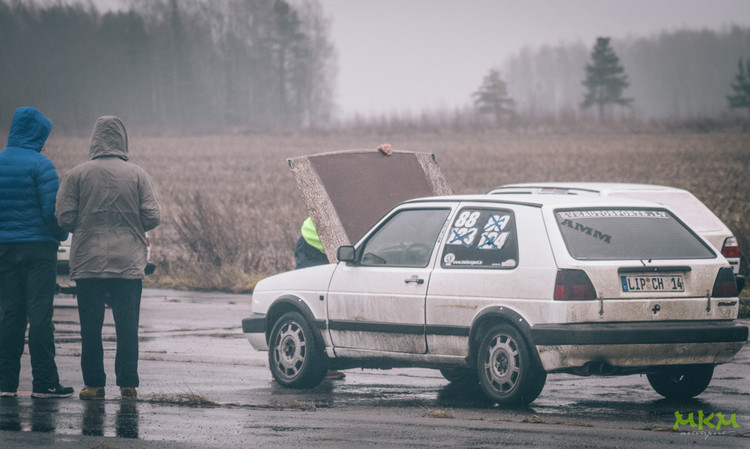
{"x":309,"y":252}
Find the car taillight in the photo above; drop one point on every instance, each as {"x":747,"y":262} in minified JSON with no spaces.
{"x":573,"y":285}
{"x":730,"y":248}
{"x":725,"y":285}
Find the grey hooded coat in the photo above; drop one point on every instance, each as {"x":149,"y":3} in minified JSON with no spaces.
{"x":108,"y":204}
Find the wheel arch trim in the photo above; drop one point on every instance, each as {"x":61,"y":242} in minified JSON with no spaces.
{"x":291,"y":303}
{"x":497,"y":314}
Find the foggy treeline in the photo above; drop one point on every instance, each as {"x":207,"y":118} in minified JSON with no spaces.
{"x":167,"y":64}
{"x":677,"y":74}
{"x":207,"y":65}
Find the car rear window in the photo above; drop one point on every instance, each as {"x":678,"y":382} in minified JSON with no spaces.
{"x":481,"y":238}
{"x":628,"y":234}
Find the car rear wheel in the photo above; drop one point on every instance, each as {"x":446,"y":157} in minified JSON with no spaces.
{"x":295,"y":357}
{"x":681,"y":382}
{"x":460,"y":376}
{"x":507,"y":371}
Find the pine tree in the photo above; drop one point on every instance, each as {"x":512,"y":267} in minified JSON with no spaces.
{"x":492,"y":97}
{"x":605,"y":79}
{"x":741,"y":87}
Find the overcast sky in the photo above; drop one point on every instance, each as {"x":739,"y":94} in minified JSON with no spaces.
{"x":404,"y":56}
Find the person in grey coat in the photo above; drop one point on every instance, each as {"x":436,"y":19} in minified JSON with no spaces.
{"x":108,"y":204}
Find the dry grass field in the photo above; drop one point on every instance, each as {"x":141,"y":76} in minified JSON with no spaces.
{"x":232,"y":213}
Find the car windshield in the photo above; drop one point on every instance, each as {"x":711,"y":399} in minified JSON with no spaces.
{"x":628,"y":234}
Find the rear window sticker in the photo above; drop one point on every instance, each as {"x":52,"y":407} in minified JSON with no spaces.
{"x":462,"y":236}
{"x":496,"y":223}
{"x":606,"y":238}
{"x":493,"y":240}
{"x":467,"y":219}
{"x":481,"y":238}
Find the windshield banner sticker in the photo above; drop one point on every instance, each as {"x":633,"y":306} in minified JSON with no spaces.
{"x":613,"y":213}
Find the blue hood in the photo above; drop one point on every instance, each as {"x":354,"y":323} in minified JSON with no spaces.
{"x":30,"y":129}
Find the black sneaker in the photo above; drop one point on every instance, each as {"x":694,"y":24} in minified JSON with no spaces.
{"x":58,"y":391}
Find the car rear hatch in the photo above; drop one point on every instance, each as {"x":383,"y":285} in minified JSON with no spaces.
{"x":640,"y":263}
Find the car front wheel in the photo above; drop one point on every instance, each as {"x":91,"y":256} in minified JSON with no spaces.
{"x":507,"y":371}
{"x":681,"y":382}
{"x":295,"y":358}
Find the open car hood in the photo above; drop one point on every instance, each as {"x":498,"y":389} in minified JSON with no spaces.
{"x":347,"y":192}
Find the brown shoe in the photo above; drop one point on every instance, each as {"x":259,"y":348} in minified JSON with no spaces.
{"x":89,"y":393}
{"x":128,"y":392}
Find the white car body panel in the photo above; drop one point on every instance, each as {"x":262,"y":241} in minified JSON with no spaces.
{"x":308,"y":284}
{"x":372,"y":297}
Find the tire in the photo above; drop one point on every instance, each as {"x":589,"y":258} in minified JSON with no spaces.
{"x":508,"y":374}
{"x":681,"y":382}
{"x":295,"y":357}
{"x":460,"y":376}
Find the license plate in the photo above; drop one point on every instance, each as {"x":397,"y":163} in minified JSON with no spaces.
{"x":657,"y":283}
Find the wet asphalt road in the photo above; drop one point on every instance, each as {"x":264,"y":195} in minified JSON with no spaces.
{"x":203,"y":386}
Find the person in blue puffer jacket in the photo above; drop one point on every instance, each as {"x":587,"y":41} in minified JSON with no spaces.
{"x":29,"y":238}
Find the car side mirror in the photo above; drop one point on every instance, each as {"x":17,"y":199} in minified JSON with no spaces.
{"x":346,"y":254}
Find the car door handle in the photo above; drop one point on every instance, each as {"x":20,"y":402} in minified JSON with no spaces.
{"x":414,"y":279}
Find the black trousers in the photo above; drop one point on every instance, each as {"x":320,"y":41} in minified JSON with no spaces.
{"x":124,"y":296}
{"x":27,"y":292}
{"x":306,"y":255}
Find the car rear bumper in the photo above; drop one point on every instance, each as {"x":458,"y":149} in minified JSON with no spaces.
{"x":631,"y":345}
{"x":254,"y":328}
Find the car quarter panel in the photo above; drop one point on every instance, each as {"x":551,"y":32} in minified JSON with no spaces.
{"x":457,"y":294}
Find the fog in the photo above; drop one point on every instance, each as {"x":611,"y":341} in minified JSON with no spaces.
{"x":405,"y":57}
{"x":397,"y":55}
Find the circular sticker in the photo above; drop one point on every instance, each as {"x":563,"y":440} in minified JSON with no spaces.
{"x":449,"y":258}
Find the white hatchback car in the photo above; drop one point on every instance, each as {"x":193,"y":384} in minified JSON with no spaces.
{"x":503,"y":289}
{"x":699,"y":217}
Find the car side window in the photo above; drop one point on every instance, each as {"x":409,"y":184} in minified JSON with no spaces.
{"x":406,"y":239}
{"x":481,"y":238}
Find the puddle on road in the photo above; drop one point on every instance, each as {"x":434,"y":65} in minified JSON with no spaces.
{"x":24,"y":414}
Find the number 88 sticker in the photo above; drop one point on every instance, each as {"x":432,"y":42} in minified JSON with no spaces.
{"x":467,"y":219}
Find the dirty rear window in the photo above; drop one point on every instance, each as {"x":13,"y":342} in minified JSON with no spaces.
{"x":481,"y":238}
{"x":628,"y":234}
